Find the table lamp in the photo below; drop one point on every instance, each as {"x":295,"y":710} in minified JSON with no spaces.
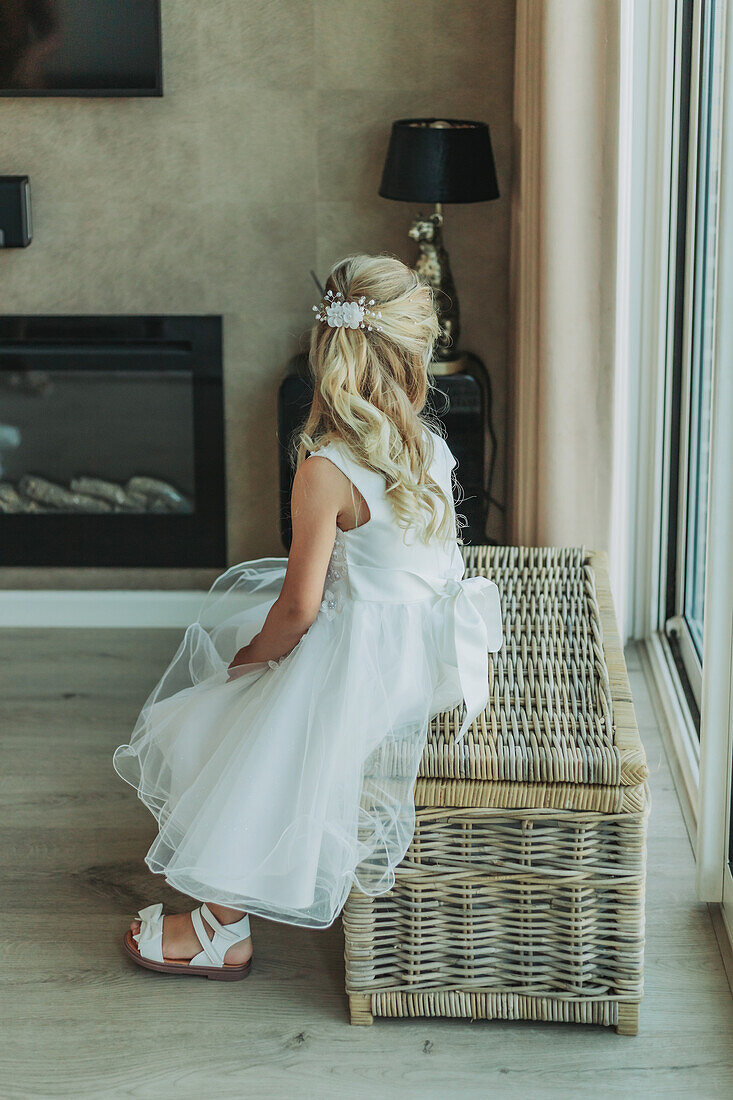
{"x":439,"y":161}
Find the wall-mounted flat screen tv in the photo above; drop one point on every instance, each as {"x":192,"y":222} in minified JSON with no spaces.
{"x":80,"y":48}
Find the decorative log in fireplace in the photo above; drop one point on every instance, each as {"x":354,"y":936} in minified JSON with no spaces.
{"x":111,"y":441}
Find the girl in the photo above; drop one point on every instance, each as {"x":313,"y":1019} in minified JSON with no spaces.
{"x":280,"y":749}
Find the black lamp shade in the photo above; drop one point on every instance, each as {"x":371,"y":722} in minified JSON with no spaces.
{"x":439,"y":160}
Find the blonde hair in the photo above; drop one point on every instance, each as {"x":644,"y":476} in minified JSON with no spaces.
{"x":371,"y":388}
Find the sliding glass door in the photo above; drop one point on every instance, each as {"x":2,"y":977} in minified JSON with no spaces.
{"x":689,"y":426}
{"x":694,"y":302}
{"x":705,"y":559}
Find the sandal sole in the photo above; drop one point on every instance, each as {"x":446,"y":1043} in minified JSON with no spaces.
{"x":226,"y":973}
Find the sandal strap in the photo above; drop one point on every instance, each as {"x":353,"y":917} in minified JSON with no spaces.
{"x":208,"y":946}
{"x":211,"y":920}
{"x":224,"y":935}
{"x":233,"y":933}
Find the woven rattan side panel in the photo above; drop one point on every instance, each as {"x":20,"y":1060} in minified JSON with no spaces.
{"x":516,"y":914}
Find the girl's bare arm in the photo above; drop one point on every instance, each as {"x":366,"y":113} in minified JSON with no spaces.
{"x":319,"y":493}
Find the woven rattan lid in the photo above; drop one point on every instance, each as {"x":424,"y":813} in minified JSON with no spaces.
{"x":560,"y":713}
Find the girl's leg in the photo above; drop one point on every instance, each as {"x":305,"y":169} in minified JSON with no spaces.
{"x":181,"y":943}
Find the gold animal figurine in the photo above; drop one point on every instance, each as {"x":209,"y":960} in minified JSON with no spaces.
{"x":434,"y":266}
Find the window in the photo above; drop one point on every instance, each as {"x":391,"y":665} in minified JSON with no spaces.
{"x":694,"y":297}
{"x":681,"y":242}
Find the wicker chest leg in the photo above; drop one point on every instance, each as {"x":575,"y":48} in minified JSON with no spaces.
{"x":360,"y":1008}
{"x":358,"y":923}
{"x":628,"y":1018}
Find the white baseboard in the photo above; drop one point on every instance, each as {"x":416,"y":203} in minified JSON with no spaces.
{"x":134,"y":609}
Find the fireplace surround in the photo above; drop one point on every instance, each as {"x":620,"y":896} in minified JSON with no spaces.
{"x":112,"y":441}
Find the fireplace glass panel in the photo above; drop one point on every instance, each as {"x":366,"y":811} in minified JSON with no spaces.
{"x":112,"y":441}
{"x":97,"y":441}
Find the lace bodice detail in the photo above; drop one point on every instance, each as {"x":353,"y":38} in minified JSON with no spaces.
{"x":336,"y":582}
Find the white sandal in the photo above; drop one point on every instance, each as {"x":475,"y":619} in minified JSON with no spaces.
{"x":146,"y":946}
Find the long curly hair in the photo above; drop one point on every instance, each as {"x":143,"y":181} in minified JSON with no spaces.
{"x":371,"y":387}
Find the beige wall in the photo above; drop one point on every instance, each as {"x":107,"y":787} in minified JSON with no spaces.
{"x":261,"y":161}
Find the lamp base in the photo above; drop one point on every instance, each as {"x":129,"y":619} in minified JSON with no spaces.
{"x":433,"y":265}
{"x":441,"y":367}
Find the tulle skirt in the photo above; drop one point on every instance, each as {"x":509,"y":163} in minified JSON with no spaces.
{"x":277,"y":791}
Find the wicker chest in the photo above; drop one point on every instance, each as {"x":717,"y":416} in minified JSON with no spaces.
{"x":522,"y":893}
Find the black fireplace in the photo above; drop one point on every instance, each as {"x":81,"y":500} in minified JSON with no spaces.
{"x":111,"y":442}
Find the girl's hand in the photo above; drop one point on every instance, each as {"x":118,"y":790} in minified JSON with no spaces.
{"x":240,"y":662}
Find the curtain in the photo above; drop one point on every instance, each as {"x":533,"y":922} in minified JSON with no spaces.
{"x":561,"y":435}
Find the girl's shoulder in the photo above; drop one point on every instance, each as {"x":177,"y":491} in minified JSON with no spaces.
{"x":340,"y":455}
{"x":442,"y":450}
{"x":335,"y":450}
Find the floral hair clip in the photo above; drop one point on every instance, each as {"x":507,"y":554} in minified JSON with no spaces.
{"x":338,"y":313}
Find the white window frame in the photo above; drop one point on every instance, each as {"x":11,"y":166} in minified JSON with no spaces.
{"x":650,"y":51}
{"x":650,"y":45}
{"x":714,"y":879}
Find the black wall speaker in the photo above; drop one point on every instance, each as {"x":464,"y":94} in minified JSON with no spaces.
{"x":460,"y":403}
{"x":16,"y":230}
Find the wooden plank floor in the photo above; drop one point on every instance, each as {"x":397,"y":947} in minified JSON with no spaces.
{"x":79,"y":1020}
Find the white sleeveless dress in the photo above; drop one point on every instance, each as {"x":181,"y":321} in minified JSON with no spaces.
{"x":277,"y":791}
